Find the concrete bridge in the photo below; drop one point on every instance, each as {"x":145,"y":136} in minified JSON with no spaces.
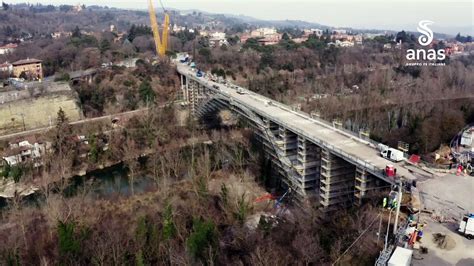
{"x":318,"y":161}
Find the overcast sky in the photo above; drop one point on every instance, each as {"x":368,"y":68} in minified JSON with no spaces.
{"x":450,"y":16}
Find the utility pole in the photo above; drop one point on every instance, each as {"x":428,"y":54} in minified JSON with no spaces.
{"x":380,"y":227}
{"x":385,"y":246}
{"x":399,"y":202}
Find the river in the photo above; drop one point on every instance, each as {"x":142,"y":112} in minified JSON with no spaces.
{"x":107,"y":183}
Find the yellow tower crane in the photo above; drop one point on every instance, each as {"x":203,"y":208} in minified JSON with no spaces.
{"x":161,"y":43}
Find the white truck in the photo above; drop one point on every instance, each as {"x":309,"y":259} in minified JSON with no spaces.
{"x":392,"y":154}
{"x":466,"y":226}
{"x":400,"y":257}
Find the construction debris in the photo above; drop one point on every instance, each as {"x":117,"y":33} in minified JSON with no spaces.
{"x":444,"y":241}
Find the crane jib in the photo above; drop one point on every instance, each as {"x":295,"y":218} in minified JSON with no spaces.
{"x":161,"y":42}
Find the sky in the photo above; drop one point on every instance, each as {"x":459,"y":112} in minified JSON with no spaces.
{"x":450,"y":16}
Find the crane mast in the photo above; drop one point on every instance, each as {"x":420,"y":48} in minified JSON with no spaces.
{"x":161,"y":43}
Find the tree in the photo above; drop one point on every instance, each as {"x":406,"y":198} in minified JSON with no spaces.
{"x":5,"y":6}
{"x":70,"y":240}
{"x":65,"y":8}
{"x":206,"y":53}
{"x":5,"y":170}
{"x":63,"y":145}
{"x":233,"y":40}
{"x":76,"y":33}
{"x":15,"y":173}
{"x":169,"y":228}
{"x":146,"y":92}
{"x":104,"y":45}
{"x":23,"y":75}
{"x":202,"y":238}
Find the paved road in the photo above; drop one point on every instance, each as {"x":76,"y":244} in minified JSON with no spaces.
{"x":347,"y":146}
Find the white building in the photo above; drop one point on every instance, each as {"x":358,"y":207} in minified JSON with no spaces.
{"x":177,"y":28}
{"x":60,"y":34}
{"x":317,"y":32}
{"x":24,"y":151}
{"x":217,"y":39}
{"x":344,"y":43}
{"x":8,"y":49}
{"x":263,"y":32}
{"x":338,"y":31}
{"x":6,"y":67}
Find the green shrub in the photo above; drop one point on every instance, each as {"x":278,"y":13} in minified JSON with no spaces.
{"x":169,"y":229}
{"x":202,"y":238}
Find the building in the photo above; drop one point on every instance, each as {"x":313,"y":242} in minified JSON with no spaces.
{"x":262,"y":32}
{"x":270,"y":39}
{"x":344,"y":43}
{"x":23,"y":151}
{"x":8,"y":49}
{"x":60,"y":34}
{"x":317,"y":32}
{"x":454,"y":48}
{"x":300,"y":40}
{"x":6,"y":67}
{"x":78,"y":8}
{"x":339,"y":31}
{"x":31,"y":67}
{"x":217,"y":39}
{"x":177,"y":28}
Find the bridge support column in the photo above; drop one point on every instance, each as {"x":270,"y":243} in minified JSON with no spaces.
{"x":288,"y":143}
{"x":308,"y":165}
{"x":337,"y":182}
{"x":362,"y":180}
{"x":193,"y":92}
{"x":184,"y":88}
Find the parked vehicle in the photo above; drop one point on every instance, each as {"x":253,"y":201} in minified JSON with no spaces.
{"x":392,"y":154}
{"x":390,"y":171}
{"x":466,"y":226}
{"x":240,"y":91}
{"x":382,"y":147}
{"x":215,"y":87}
{"x":184,"y":60}
{"x":199,"y":74}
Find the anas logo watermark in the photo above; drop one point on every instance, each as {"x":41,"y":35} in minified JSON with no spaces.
{"x":423,"y":56}
{"x":426,"y":37}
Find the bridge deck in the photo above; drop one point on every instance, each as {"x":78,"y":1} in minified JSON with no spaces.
{"x":351,"y":148}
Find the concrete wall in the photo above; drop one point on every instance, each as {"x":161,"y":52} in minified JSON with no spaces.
{"x":38,"y":112}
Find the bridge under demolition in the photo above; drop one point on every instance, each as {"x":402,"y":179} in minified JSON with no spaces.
{"x":318,"y":161}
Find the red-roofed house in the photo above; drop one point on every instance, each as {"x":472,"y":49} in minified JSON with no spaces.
{"x":31,"y":67}
{"x":7,"y":49}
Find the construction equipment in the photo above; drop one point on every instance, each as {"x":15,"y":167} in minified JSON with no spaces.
{"x":161,"y":43}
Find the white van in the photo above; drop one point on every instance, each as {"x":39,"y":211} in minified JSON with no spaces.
{"x":392,"y":154}
{"x":466,"y":226}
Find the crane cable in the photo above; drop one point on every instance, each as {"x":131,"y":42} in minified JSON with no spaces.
{"x":162,"y":6}
{"x":355,"y":241}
